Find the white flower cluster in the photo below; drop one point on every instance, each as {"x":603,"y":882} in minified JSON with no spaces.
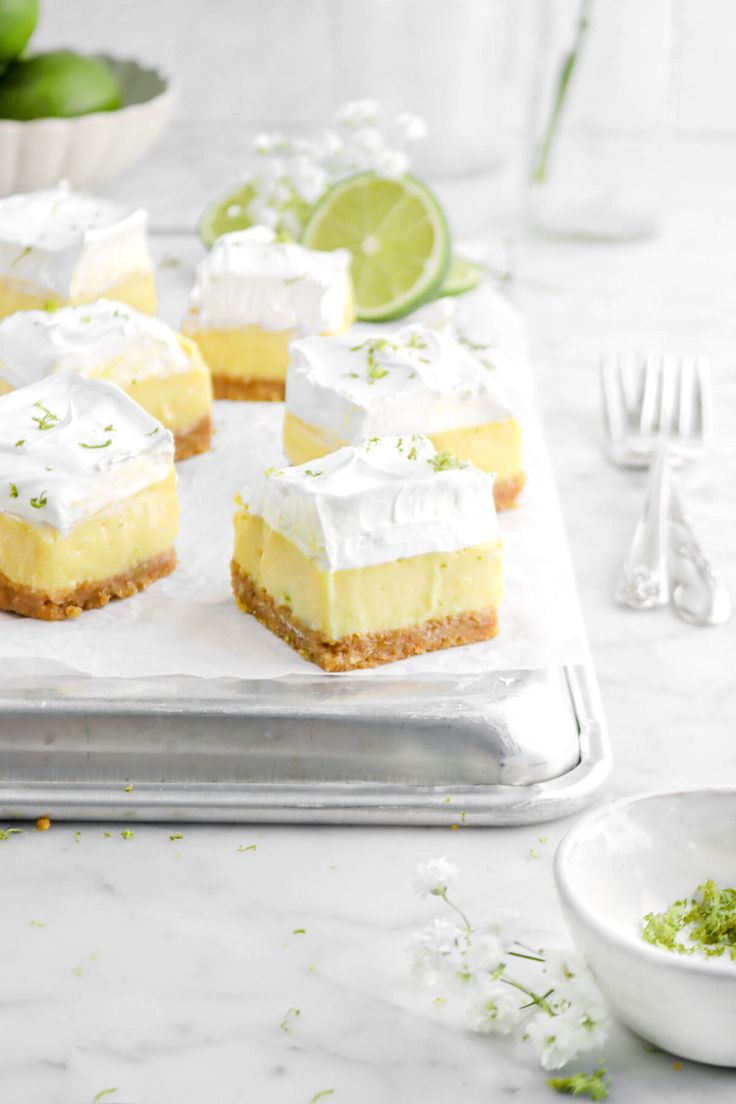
{"x":544,"y":1001}
{"x":297,"y":171}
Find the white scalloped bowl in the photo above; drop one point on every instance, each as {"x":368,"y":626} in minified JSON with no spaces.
{"x":89,"y":149}
{"x":638,"y":855}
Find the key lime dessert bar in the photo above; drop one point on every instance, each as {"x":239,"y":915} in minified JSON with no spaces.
{"x":379,"y":551}
{"x":160,"y":369}
{"x":88,"y":502}
{"x":59,"y":247}
{"x":253,"y":295}
{"x":416,"y":380}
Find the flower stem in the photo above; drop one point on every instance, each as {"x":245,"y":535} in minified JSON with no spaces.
{"x":535,"y":998}
{"x":569,"y":61}
{"x":532,"y":958}
{"x":459,"y":911}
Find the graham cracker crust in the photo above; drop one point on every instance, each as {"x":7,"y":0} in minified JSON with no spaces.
{"x":194,"y":440}
{"x":16,"y":598}
{"x":248,"y":390}
{"x":360,"y":649}
{"x":507,"y":491}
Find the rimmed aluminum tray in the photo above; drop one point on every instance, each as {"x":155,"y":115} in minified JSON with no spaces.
{"x":501,"y":748}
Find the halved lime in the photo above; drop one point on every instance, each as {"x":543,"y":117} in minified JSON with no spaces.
{"x":397,"y":234}
{"x":59,"y":84}
{"x":229,"y":212}
{"x":461,"y":276}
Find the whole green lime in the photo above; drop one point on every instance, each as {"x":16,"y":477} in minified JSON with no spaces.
{"x":18,"y":19}
{"x":59,"y":84}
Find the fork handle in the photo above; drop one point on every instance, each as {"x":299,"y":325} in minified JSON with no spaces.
{"x":699,"y":595}
{"x":644,"y":580}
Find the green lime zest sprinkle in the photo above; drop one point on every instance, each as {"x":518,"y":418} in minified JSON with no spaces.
{"x":13,"y":490}
{"x":270,"y":472}
{"x":19,"y":444}
{"x":153,"y":431}
{"x":371,"y":443}
{"x":129,"y":788}
{"x":314,"y":474}
{"x":51,"y":305}
{"x":445,"y":461}
{"x":290,"y":1012}
{"x":708,"y":923}
{"x":299,"y":931}
{"x":249,"y":847}
{"x":593,"y":1085}
{"x":110,"y":428}
{"x":36,"y":924}
{"x":106,"y":835}
{"x":48,"y":419}
{"x":77,"y":836}
{"x":39,"y":501}
{"x":102,"y":1094}
{"x":176,"y":836}
{"x":170,"y":262}
{"x":6,"y":833}
{"x":321,"y":1095}
{"x":77,"y":971}
{"x":412,"y":453}
{"x":86,"y":318}
{"x":23,"y":253}
{"x":105,"y":444}
{"x":127,"y":834}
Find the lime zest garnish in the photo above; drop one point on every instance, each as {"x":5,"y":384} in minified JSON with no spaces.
{"x":23,"y":253}
{"x":104,"y":444}
{"x":176,"y":836}
{"x":13,"y":490}
{"x":39,"y":501}
{"x":708,"y":923}
{"x":321,"y":1095}
{"x":102,"y":1094}
{"x":313,"y":474}
{"x":593,"y":1085}
{"x":6,"y":833}
{"x":445,"y":461}
{"x":20,"y":443}
{"x":48,"y":419}
{"x":290,"y":1012}
{"x":269,"y":472}
{"x":127,"y":834}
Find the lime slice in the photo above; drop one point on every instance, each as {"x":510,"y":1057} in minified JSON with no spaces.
{"x":397,"y":234}
{"x":60,"y":84}
{"x":461,"y":276}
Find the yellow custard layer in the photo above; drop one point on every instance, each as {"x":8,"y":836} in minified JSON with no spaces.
{"x":249,"y":352}
{"x":137,"y":290}
{"x":108,"y":543}
{"x":383,"y":596}
{"x":492,"y":447}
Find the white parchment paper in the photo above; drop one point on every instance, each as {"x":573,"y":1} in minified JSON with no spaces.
{"x":189,"y":624}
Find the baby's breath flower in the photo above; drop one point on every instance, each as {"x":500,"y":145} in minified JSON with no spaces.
{"x":357,"y":112}
{"x":496,"y":1010}
{"x":436,"y":950}
{"x":391,"y":163}
{"x":410,"y":127}
{"x":436,"y":876}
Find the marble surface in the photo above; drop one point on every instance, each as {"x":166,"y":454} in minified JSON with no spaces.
{"x":164,"y":968}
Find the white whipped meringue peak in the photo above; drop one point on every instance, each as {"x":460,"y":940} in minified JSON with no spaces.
{"x":380,"y":500}
{"x":415,"y":380}
{"x":85,"y":339}
{"x":70,"y":446}
{"x":251,"y":278}
{"x":70,"y":244}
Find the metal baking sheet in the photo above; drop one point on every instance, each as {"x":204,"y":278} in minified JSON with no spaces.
{"x":502,"y":748}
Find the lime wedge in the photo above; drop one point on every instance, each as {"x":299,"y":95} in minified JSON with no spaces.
{"x":397,"y":234}
{"x":59,"y":84}
{"x":227,"y":213}
{"x":461,"y":276}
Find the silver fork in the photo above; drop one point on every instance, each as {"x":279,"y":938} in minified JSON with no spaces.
{"x":657,"y":413}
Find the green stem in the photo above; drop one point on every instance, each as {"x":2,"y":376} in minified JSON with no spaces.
{"x":535,"y":998}
{"x":459,"y":911}
{"x":532,"y":958}
{"x":569,"y":61}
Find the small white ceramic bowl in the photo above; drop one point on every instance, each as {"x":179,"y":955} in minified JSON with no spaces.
{"x":640,"y":855}
{"x":89,"y":149}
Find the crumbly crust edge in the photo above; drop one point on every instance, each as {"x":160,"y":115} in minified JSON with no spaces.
{"x":359,"y":650}
{"x":63,"y":605}
{"x":194,"y":440}
{"x":248,"y":390}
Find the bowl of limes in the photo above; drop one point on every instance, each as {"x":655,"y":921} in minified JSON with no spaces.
{"x":66,"y":115}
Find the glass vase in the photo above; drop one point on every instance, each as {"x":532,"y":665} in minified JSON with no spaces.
{"x":595,"y":150}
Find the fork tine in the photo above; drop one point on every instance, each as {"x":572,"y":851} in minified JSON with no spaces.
{"x":649,"y":403}
{"x":704,"y":405}
{"x":632,"y":383}
{"x":614,"y":418}
{"x":687,"y":399}
{"x":670,"y":382}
